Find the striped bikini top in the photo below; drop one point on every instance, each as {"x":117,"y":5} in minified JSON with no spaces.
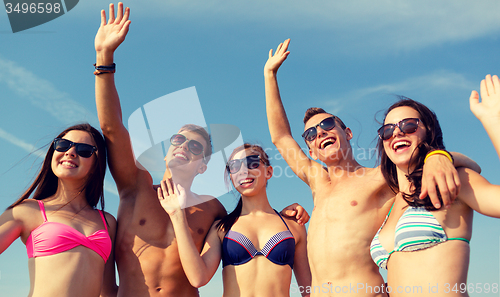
{"x":237,"y":249}
{"x":417,"y":229}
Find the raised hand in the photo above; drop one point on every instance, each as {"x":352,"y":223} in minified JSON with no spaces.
{"x":171,"y":197}
{"x":274,"y":62}
{"x":489,"y":107}
{"x":112,"y":32}
{"x":488,"y":110}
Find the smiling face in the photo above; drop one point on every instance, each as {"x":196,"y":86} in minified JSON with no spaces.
{"x":327,"y":145}
{"x":250,"y":182}
{"x":400,"y":147}
{"x":182,"y":156}
{"x":69,"y":165}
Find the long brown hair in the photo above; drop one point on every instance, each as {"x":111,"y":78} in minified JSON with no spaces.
{"x":45,"y":184}
{"x":433,"y":140}
{"x":228,"y":221}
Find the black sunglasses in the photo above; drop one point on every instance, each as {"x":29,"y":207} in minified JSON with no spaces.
{"x":195,"y":147}
{"x":326,"y":124}
{"x":82,"y":149}
{"x":251,"y":162}
{"x":406,"y":126}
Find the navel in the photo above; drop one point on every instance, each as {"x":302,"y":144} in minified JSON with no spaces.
{"x":142,"y":222}
{"x":200,"y":231}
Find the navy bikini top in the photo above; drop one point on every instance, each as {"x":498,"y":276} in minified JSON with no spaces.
{"x":237,"y":249}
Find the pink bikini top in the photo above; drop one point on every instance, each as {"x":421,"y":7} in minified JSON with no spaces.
{"x":52,"y":238}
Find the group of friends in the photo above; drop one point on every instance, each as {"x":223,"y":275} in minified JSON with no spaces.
{"x":411,"y":215}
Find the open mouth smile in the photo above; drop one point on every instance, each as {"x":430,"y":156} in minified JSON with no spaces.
{"x":181,"y":156}
{"x":327,"y":142}
{"x":246,"y":182}
{"x":67,"y":163}
{"x":400,"y":145}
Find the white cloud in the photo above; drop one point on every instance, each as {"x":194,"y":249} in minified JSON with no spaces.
{"x":110,"y":187}
{"x":41,"y":93}
{"x":20,"y":143}
{"x":383,"y":24}
{"x":433,"y":83}
{"x":440,"y":80}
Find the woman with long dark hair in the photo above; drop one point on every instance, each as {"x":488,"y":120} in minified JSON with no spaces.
{"x":425,"y":250}
{"x":259,"y":248}
{"x":68,"y":241}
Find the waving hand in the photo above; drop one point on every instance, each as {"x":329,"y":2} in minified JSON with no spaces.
{"x":274,"y":62}
{"x":488,"y":110}
{"x":112,"y":32}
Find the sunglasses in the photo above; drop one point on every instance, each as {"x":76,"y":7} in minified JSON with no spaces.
{"x":406,"y":126}
{"x":326,"y":124}
{"x":251,"y":162}
{"x":195,"y":147}
{"x":82,"y":149}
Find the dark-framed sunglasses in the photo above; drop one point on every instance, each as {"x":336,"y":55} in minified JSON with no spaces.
{"x":326,"y":124}
{"x":82,"y":149}
{"x":251,"y":162}
{"x":406,"y":126}
{"x":195,"y":147}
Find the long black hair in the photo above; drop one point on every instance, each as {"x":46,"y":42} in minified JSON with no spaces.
{"x":45,"y":184}
{"x":228,"y":221}
{"x":433,"y":140}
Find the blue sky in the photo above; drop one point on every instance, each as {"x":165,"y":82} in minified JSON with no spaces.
{"x":349,"y":57}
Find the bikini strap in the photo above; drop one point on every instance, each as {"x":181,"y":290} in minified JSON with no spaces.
{"x":42,"y":210}
{"x":391,"y":208}
{"x":282,"y":219}
{"x":103,"y":220}
{"x":387,"y":216}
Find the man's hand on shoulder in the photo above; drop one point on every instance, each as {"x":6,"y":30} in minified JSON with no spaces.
{"x":296,"y":212}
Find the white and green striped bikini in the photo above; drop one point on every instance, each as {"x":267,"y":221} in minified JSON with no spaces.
{"x":417,"y":229}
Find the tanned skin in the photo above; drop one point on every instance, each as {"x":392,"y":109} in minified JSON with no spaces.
{"x":146,"y":249}
{"x":350,"y":201}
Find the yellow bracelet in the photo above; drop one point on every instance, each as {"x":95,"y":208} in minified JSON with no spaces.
{"x":440,"y":152}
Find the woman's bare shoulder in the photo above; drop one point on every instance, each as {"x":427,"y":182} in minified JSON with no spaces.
{"x":28,"y":206}
{"x":296,"y":228}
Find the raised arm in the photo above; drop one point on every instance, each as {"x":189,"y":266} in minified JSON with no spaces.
{"x":121,"y":160}
{"x":199,"y":268}
{"x":279,"y":126}
{"x":488,"y":110}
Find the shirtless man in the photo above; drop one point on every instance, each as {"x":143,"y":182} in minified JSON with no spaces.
{"x":350,"y":201}
{"x":146,"y":249}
